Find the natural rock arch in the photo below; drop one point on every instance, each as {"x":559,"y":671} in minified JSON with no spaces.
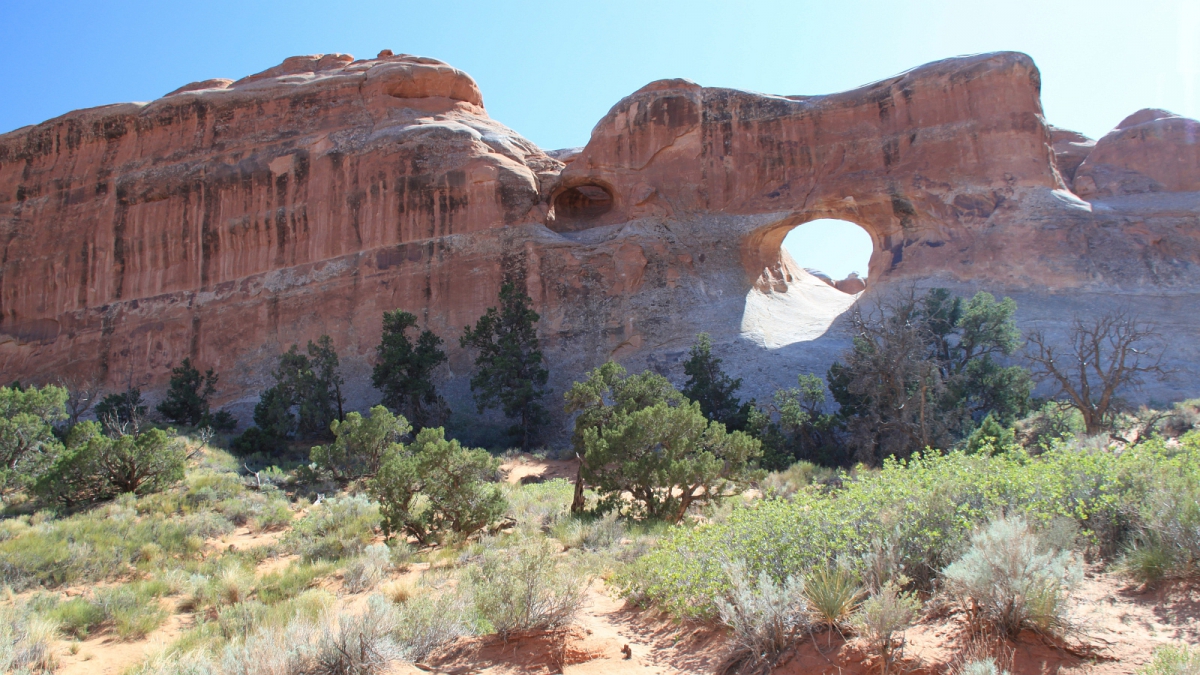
{"x":763,"y":253}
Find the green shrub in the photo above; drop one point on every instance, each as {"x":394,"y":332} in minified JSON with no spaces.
{"x":133,"y":609}
{"x":77,"y":617}
{"x":290,"y":582}
{"x":883,"y":615}
{"x":366,"y":571}
{"x":336,"y":528}
{"x":1166,"y":539}
{"x":539,"y":506}
{"x":275,"y":514}
{"x":428,"y":621}
{"x":96,"y":467}
{"x":526,"y":588}
{"x":100,"y":544}
{"x":793,"y":479}
{"x":1010,"y":580}
{"x":590,"y":533}
{"x":912,"y":518}
{"x":1173,"y":660}
{"x":435,"y":486}
{"x":358,"y":644}
{"x":362,"y":444}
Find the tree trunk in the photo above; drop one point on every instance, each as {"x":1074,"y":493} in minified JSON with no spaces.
{"x":577,"y":503}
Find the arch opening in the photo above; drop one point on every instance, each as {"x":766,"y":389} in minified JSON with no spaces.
{"x":836,"y":251}
{"x":583,"y":202}
{"x":809,"y":273}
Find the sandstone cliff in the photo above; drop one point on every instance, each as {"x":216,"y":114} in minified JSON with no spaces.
{"x":230,"y":219}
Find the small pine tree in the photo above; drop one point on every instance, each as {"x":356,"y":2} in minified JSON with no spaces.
{"x":311,"y":383}
{"x":508,"y":370}
{"x":324,"y":398}
{"x":404,"y":372}
{"x":273,"y":414}
{"x":187,"y":398}
{"x":714,"y":390}
{"x":990,"y":437}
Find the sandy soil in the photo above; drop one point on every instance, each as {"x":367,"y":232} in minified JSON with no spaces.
{"x":1119,"y":625}
{"x":525,"y":468}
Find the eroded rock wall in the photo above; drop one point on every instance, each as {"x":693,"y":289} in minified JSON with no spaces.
{"x":230,"y":219}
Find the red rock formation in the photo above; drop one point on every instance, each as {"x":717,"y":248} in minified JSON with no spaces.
{"x":1149,"y":151}
{"x":228,"y":220}
{"x":1070,"y":149}
{"x":851,"y":284}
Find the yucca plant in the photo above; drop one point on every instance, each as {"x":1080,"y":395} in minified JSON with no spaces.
{"x":833,"y":593}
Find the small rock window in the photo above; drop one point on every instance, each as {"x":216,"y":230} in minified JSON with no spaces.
{"x":583,"y":201}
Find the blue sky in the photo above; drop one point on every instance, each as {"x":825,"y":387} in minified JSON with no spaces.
{"x":551,"y":70}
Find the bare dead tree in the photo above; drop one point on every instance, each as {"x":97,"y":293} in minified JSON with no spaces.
{"x":82,"y":394}
{"x":894,"y":381}
{"x":1101,"y":360}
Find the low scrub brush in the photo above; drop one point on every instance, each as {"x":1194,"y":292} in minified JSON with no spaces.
{"x":764,"y":618}
{"x":1173,"y":660}
{"x":1012,"y":580}
{"x":884,"y":615}
{"x":526,"y":588}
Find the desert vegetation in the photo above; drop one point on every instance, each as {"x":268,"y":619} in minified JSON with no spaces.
{"x":936,"y":493}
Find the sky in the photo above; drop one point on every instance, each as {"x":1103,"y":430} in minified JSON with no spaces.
{"x":835,"y":247}
{"x":551,"y":70}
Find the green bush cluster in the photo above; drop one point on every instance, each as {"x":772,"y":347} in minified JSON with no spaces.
{"x":98,"y":544}
{"x":915,"y":517}
{"x":337,"y":528}
{"x":434,"y":486}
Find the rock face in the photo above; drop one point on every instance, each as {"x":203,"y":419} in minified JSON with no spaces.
{"x":231,"y":219}
{"x":1070,"y":149}
{"x":1149,"y":151}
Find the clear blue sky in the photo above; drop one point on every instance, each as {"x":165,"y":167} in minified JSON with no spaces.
{"x":834,"y":247}
{"x":550,"y":70}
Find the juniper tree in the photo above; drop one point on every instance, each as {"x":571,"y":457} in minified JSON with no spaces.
{"x":711,"y":387}
{"x":404,"y":372}
{"x":121,"y":411}
{"x":27,"y":440}
{"x":923,"y":371}
{"x":647,"y":447}
{"x":508,"y":370}
{"x":308,"y":383}
{"x":608,"y":392}
{"x":187,"y":396}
